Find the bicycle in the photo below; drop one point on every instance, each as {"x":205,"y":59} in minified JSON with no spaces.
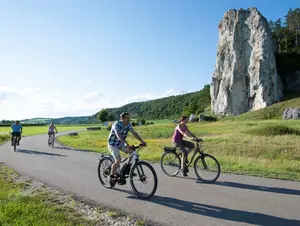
{"x":128,"y":170}
{"x":203,"y":159}
{"x":51,"y":140}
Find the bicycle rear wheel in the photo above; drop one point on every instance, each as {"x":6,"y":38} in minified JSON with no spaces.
{"x":104,"y":169}
{"x":207,"y":168}
{"x":170,"y":163}
{"x":143,"y":171}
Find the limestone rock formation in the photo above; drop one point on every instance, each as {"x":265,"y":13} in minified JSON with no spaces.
{"x":291,"y":113}
{"x":245,"y":76}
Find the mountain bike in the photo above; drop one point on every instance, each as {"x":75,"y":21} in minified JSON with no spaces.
{"x":171,"y":159}
{"x":51,"y":140}
{"x":134,"y":168}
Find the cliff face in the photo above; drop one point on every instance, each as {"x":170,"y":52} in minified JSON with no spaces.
{"x":245,"y":76}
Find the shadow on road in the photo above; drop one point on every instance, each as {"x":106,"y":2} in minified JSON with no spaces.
{"x":39,"y":153}
{"x":72,"y":149}
{"x":286,"y":191}
{"x":220,"y":212}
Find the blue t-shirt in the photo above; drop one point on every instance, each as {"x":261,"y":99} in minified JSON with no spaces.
{"x":16,"y":128}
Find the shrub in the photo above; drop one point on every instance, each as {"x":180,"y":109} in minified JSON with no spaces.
{"x":274,"y":130}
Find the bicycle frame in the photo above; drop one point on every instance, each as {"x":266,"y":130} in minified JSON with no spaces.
{"x":134,"y":155}
{"x":197,"y":150}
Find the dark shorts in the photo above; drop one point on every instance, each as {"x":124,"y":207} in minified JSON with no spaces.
{"x":183,"y":145}
{"x":51,"y":133}
{"x":17,"y":134}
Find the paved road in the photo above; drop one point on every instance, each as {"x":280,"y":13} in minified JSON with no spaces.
{"x":232,"y":200}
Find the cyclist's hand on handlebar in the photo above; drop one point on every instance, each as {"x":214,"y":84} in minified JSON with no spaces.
{"x":144,"y":143}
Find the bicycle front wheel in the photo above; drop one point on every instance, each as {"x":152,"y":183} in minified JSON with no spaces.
{"x":170,"y":163}
{"x":207,"y":168}
{"x":142,"y":174}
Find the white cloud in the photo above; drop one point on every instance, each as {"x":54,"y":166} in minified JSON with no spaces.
{"x":152,"y":96}
{"x":29,"y":102}
{"x":169,"y":91}
{"x":89,"y":82}
{"x":92,"y":97}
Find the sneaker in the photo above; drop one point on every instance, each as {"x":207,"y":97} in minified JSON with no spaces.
{"x":112,"y":180}
{"x":184,"y":172}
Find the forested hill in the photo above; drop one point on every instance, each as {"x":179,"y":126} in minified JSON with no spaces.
{"x":168,"y":107}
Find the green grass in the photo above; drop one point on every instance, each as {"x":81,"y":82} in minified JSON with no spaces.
{"x":269,"y":148}
{"x":18,"y":208}
{"x":34,"y":130}
{"x":274,"y":111}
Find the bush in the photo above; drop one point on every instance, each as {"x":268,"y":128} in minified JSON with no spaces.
{"x":274,"y":130}
{"x":94,"y":128}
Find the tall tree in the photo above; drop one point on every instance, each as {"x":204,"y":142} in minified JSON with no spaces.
{"x":103,"y":115}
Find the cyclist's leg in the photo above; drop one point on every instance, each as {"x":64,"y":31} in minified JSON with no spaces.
{"x":12,"y":137}
{"x":189,"y":145}
{"x":18,"y":137}
{"x":49,"y":137}
{"x":114,"y":150}
{"x":184,"y":152}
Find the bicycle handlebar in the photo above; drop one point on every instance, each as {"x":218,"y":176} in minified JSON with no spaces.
{"x":198,"y":140}
{"x":136,"y":147}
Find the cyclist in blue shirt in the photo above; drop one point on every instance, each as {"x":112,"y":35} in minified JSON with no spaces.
{"x":16,"y":131}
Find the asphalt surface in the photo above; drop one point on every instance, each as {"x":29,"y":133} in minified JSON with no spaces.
{"x":232,"y":200}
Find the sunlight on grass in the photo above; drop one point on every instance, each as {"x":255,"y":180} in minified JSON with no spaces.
{"x":262,"y":148}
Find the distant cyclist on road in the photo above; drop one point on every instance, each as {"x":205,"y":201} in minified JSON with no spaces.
{"x":181,"y":131}
{"x":16,"y":131}
{"x":117,"y":141}
{"x":51,"y":132}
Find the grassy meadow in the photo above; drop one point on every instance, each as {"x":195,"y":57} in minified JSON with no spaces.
{"x":18,"y":207}
{"x":269,"y":148}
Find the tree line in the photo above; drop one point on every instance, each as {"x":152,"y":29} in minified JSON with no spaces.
{"x":287,"y":34}
{"x":164,"y":108}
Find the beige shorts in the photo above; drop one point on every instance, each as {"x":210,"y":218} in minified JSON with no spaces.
{"x":115,"y":150}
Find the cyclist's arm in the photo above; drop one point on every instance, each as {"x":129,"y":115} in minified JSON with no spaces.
{"x":135,"y":134}
{"x":193,"y":136}
{"x":21,"y":129}
{"x":55,"y":129}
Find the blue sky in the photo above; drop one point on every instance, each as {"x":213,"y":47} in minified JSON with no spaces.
{"x":70,"y":57}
